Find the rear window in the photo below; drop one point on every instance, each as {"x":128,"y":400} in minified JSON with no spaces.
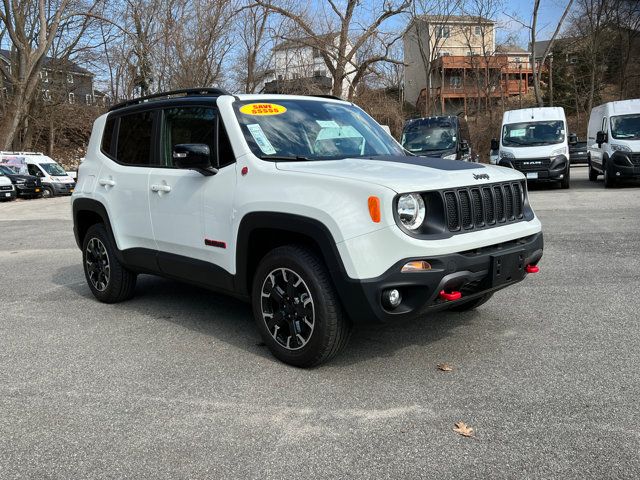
{"x":134,"y":139}
{"x":107,"y":137}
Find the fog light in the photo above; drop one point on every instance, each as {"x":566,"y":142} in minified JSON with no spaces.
{"x":391,"y":298}
{"x":617,"y":174}
{"x":416,"y":266}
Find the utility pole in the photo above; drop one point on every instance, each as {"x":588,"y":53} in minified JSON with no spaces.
{"x":520,"y":84}
{"x":551,"y":81}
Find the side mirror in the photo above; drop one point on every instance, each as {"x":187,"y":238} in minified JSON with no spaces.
{"x":194,"y":156}
{"x":464,"y":146}
{"x":601,"y":137}
{"x":494,"y":144}
{"x":573,"y":139}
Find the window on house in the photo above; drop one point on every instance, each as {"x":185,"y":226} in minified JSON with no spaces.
{"x":573,"y":60}
{"x":88,"y":100}
{"x":455,"y":81}
{"x":280,"y":77}
{"x":317,"y":53}
{"x":295,"y":76}
{"x":72,"y":98}
{"x":478,"y":30}
{"x":443,"y":54}
{"x":443,"y":31}
{"x":69,"y":78}
{"x":318,"y":73}
{"x":517,"y":60}
{"x":46,"y":95}
{"x":44,"y":76}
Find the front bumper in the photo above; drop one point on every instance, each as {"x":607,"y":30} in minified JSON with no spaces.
{"x":472,"y":273}
{"x":624,"y":165}
{"x":63,"y":188}
{"x":539,"y":170}
{"x":7,"y":194}
{"x":23,"y":190}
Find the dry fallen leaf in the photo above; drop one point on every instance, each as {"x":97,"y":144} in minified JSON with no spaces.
{"x":445,"y":367}
{"x":463,"y":429}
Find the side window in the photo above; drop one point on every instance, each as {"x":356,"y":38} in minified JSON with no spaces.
{"x":33,"y":170}
{"x":604,"y":124}
{"x":225,"y":152}
{"x":134,"y":139}
{"x":107,"y":137}
{"x":187,"y":125}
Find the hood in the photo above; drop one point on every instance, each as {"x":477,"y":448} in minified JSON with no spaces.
{"x":18,"y":176}
{"x":406,"y":174}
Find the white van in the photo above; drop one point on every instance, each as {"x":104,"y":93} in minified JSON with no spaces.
{"x":55,"y":181}
{"x":613,"y":141}
{"x":534,"y":141}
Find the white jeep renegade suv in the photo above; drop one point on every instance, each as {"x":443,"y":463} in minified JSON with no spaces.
{"x":303,"y":206}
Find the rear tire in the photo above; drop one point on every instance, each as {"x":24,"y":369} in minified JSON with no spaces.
{"x":296,"y":307}
{"x":472,"y":304}
{"x":108,"y":279}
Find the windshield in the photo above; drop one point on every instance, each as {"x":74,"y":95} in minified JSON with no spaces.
{"x":529,"y":134}
{"x":626,"y":127}
{"x":53,"y":169}
{"x":311,"y":130}
{"x":429,"y":135}
{"x":6,"y":170}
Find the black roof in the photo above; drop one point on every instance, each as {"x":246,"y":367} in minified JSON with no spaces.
{"x":54,"y":64}
{"x":187,"y":92}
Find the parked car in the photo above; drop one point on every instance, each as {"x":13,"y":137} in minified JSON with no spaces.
{"x":54,"y":179}
{"x":7,"y":190}
{"x":534,"y":141}
{"x":578,"y":153}
{"x":446,"y":137}
{"x":613,"y":141}
{"x":303,"y":206}
{"x":25,"y":185}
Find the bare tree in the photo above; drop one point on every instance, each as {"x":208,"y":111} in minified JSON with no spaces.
{"x":32,"y":26}
{"x":537,"y":65}
{"x":353,"y":30}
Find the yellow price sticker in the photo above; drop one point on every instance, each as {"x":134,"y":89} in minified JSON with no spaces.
{"x":262,"y":109}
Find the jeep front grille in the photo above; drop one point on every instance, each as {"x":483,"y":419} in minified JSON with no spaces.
{"x":477,"y":207}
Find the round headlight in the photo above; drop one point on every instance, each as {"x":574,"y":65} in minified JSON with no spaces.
{"x":411,"y":210}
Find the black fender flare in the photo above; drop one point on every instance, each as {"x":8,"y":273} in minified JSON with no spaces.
{"x":295,"y":224}
{"x":90,"y":205}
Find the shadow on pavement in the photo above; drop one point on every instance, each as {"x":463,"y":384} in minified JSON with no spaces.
{"x":231,"y":321}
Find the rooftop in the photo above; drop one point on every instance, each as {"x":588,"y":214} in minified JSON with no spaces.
{"x":54,"y":64}
{"x":286,"y":43}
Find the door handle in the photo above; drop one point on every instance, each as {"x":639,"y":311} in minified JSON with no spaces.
{"x":107,"y":182}
{"x":161,"y":188}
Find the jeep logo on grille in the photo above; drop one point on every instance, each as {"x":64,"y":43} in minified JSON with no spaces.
{"x":481,"y":176}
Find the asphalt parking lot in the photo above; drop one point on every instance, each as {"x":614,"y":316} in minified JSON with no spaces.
{"x":175,"y":383}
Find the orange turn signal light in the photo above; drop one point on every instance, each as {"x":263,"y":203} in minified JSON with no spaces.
{"x":374,"y":209}
{"x":416,"y":266}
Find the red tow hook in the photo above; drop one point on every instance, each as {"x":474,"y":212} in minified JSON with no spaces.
{"x":450,"y":295}
{"x":532,"y":269}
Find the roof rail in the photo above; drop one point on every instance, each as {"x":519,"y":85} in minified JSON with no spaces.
{"x":21,"y":153}
{"x":333,"y":97}
{"x":186,"y":92}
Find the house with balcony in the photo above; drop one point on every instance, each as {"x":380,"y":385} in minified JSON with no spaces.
{"x":299,"y":67}
{"x":452,"y":62}
{"x":61,"y":81}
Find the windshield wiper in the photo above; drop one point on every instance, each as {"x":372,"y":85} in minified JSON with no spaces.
{"x":283,"y":158}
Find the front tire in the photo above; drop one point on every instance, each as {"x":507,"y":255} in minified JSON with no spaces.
{"x":47,"y":192}
{"x":296,"y":307}
{"x":593,"y":173}
{"x":472,"y":304}
{"x":565,"y":183}
{"x":108,"y":279}
{"x":608,"y":181}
